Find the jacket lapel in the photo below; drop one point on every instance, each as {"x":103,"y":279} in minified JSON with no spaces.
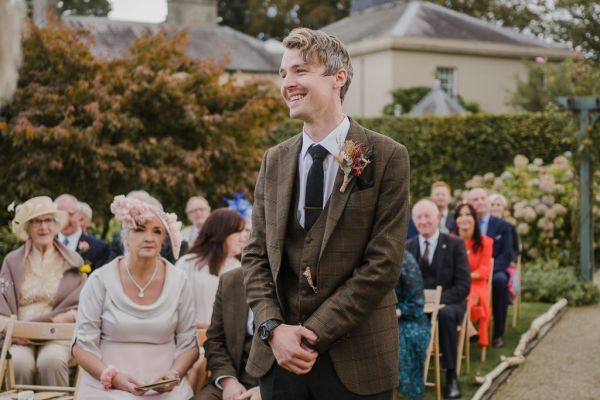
{"x":286,"y":177}
{"x":338,"y":200}
{"x":438,"y":256}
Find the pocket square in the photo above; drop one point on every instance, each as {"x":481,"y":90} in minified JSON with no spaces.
{"x":498,"y":237}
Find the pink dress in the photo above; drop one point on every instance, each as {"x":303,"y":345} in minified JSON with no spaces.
{"x":141,"y":340}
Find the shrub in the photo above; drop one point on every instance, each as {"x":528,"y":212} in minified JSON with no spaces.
{"x":8,"y":242}
{"x":546,"y":281}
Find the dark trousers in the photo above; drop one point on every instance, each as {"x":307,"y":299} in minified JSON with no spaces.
{"x":321,"y":383}
{"x":500,"y":301}
{"x":449,"y":318}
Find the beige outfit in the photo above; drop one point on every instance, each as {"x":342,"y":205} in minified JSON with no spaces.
{"x":41,"y":278}
{"x":141,"y":340}
{"x":204,"y":284}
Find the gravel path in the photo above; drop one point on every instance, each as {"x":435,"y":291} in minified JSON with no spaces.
{"x":565,"y":364}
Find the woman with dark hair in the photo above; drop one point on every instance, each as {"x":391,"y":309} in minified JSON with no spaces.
{"x":215,"y":251}
{"x":479,"y":249}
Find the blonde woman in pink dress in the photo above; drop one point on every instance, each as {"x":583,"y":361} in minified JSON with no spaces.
{"x":135,"y":323}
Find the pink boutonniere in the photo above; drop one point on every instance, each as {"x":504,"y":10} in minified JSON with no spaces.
{"x":353,"y":159}
{"x":84,"y":246}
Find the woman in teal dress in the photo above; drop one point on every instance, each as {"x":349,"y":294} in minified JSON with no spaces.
{"x":413,"y":329}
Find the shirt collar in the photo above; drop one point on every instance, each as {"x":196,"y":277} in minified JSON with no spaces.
{"x":486,"y":218}
{"x":432,"y":240}
{"x":331,"y":142}
{"x":72,"y":237}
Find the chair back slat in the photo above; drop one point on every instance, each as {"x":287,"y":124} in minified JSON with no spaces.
{"x":43,"y":330}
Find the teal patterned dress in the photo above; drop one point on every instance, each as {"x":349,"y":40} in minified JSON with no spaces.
{"x":413,"y":329}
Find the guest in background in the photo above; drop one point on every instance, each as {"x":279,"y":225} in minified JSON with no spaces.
{"x":228,"y":343}
{"x":498,"y":208}
{"x":479,"y":249}
{"x":244,"y":208}
{"x":443,"y":261}
{"x":197,"y":210}
{"x":441,"y":195}
{"x":501,"y":232}
{"x":135,"y":322}
{"x":86,"y":215}
{"x":94,"y":252}
{"x":214,"y":252}
{"x":413,"y":329}
{"x":40,"y":281}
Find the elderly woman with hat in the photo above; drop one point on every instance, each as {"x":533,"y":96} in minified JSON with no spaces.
{"x":135,"y":323}
{"x":40,"y":281}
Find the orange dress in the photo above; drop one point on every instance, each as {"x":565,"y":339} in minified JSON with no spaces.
{"x":481,"y":262}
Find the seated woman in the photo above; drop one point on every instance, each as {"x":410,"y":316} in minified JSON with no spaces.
{"x":215,"y":251}
{"x":479,"y":249}
{"x":40,"y":281}
{"x":136,"y":316}
{"x":413,"y":329}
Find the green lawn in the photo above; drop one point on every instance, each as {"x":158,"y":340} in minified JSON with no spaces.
{"x":529,"y":311}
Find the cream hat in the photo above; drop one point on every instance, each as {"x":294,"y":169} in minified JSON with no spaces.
{"x":32,"y":208}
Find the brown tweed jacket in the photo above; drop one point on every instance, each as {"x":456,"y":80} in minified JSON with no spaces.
{"x":359,"y":264}
{"x":226,"y":335}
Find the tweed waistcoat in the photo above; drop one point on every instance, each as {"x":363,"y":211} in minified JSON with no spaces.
{"x":301,"y":249}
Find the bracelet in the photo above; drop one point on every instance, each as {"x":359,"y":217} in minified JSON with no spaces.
{"x":176,"y":376}
{"x":107,"y":376}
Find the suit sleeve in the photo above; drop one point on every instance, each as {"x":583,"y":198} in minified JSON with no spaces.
{"x":258,"y":278}
{"x":353,"y":301}
{"x":218,"y":357}
{"x":462,"y":276}
{"x":503,"y":254}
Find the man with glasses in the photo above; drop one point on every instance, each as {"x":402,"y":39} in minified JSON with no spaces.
{"x":197,"y":210}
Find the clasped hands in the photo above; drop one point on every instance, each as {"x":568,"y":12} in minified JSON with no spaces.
{"x":128,"y":383}
{"x":234,"y":390}
{"x":289,"y":351}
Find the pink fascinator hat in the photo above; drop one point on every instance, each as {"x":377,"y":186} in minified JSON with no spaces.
{"x":130,"y":212}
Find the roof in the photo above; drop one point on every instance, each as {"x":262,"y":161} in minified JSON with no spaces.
{"x":424,"y":19}
{"x":246,"y":53}
{"x":437,"y":102}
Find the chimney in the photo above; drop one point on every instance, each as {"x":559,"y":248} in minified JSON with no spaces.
{"x":192,"y":12}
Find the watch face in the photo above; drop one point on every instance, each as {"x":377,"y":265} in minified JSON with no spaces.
{"x":263,"y":333}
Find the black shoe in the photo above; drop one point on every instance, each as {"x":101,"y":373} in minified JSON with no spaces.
{"x":452,"y":389}
{"x":474,"y":339}
{"x":498,"y":342}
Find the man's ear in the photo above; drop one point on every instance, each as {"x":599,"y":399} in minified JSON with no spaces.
{"x":341,"y":77}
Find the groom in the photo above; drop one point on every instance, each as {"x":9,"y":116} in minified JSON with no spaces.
{"x":323,"y":260}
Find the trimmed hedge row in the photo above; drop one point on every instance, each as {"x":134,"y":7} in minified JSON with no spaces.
{"x":456,"y":148}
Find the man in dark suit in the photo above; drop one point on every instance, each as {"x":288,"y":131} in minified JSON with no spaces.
{"x":95,"y":252}
{"x":228,"y":343}
{"x":324,"y":256}
{"x":501,"y":231}
{"x":443,"y":261}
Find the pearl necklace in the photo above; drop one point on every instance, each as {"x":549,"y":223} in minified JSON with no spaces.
{"x":140,"y":288}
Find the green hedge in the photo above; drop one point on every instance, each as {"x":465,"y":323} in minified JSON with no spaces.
{"x":456,"y":148}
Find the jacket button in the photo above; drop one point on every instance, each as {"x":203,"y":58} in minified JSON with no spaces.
{"x":308,"y":240}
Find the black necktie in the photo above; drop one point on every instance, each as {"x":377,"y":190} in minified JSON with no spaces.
{"x":313,"y":201}
{"x":425,"y":256}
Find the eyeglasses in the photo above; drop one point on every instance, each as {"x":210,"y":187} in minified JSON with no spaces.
{"x":39,"y":222}
{"x":200,"y":209}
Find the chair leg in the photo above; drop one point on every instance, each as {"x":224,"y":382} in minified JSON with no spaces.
{"x":516,"y":309}
{"x":468,"y":354}
{"x":483,"y":354}
{"x":438,"y":382}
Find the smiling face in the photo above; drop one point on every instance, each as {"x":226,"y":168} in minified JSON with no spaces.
{"x":426,"y":217}
{"x":197,"y":211}
{"x":478,"y":198}
{"x":146,"y":239}
{"x":235,"y":243}
{"x":497,"y":208}
{"x":465,"y":220}
{"x":68,"y":205}
{"x":309,"y":94}
{"x":441,"y":197}
{"x":42,"y":230}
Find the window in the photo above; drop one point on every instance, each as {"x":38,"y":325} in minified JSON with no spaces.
{"x":448,"y":80}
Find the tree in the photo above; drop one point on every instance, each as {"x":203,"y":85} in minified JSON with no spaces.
{"x":276,"y":18}
{"x":546,"y":81}
{"x":153,"y":119}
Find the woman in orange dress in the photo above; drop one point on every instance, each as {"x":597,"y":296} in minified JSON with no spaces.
{"x":479,"y":248}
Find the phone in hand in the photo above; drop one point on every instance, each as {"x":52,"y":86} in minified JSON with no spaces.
{"x":156,"y":384}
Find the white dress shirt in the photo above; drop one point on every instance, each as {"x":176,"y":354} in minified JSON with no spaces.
{"x":432,"y":245}
{"x":332,"y":142}
{"x":73,"y":239}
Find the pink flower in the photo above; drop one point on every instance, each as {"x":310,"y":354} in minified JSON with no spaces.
{"x":540,"y":60}
{"x":83,"y":246}
{"x":577,"y":50}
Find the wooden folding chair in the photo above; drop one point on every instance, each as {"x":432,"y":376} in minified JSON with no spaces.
{"x":484,"y":350}
{"x":433,"y":299}
{"x":463,"y":343}
{"x":35,"y":331}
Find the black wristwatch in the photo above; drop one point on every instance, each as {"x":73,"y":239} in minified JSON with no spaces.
{"x":265,"y":330}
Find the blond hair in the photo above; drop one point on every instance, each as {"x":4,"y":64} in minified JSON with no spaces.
{"x":321,"y":48}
